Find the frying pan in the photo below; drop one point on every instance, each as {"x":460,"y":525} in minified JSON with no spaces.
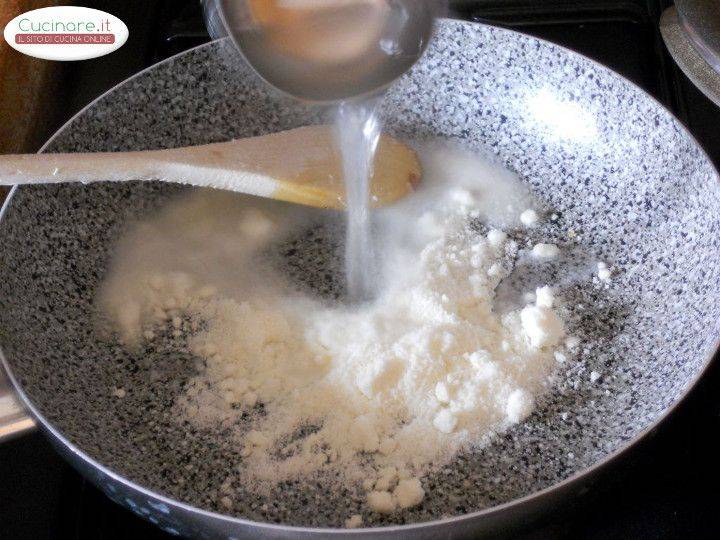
{"x":629,"y":186}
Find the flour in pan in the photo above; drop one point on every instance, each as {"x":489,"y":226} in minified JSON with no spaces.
{"x":371,"y":395}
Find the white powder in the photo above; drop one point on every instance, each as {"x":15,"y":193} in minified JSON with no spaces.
{"x":409,"y":493}
{"x":603,"y":271}
{"x":391,"y":388}
{"x":572,"y":341}
{"x":541,"y":325}
{"x":544,"y":297}
{"x":381,"y":501}
{"x":545,"y":251}
{"x":354,"y":521}
{"x":529,"y":218}
{"x":496,"y":237}
{"x":519,"y":405}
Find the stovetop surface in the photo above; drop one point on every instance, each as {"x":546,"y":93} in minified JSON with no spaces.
{"x":666,"y":488}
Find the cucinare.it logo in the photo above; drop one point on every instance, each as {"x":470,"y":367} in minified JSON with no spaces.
{"x":66,"y":33}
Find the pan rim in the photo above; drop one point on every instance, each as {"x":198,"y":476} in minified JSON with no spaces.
{"x":536,"y":496}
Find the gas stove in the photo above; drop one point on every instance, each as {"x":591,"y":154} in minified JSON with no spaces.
{"x":665,"y":488}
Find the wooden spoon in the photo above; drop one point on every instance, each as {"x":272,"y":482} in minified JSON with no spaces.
{"x":300,"y":165}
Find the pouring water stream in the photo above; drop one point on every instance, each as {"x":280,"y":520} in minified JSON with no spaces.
{"x":357,"y":133}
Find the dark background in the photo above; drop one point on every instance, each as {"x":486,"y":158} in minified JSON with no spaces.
{"x":667,"y":487}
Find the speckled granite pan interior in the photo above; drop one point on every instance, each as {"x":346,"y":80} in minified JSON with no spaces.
{"x":630,"y":187}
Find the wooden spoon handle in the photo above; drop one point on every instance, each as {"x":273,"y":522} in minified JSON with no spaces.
{"x":301,"y":165}
{"x":124,"y":166}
